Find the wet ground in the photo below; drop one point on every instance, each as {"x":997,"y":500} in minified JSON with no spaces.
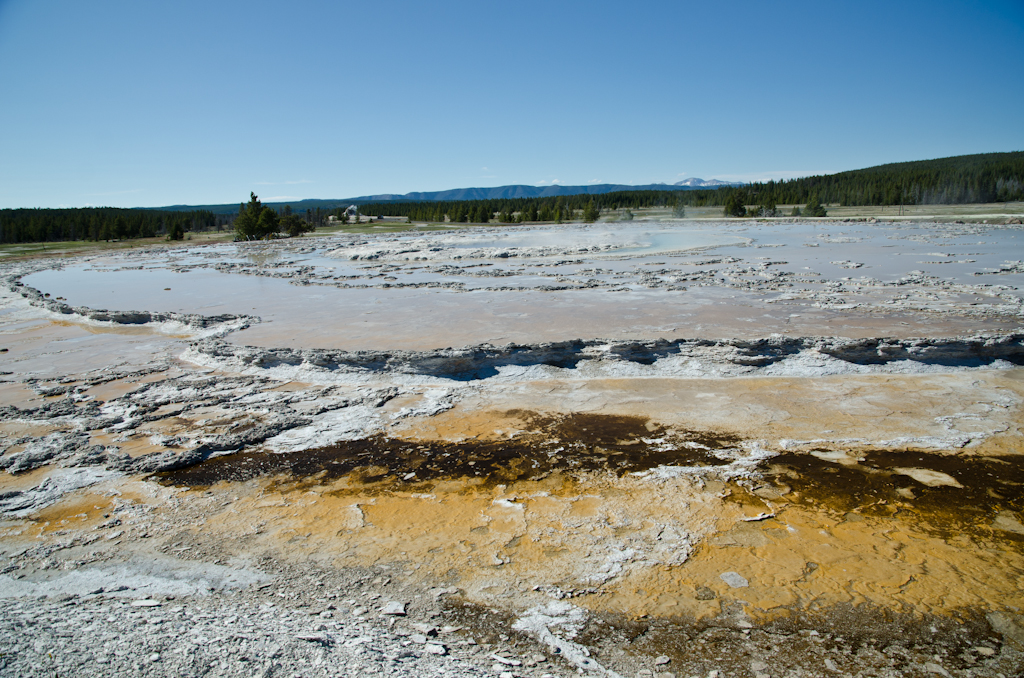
{"x":945,"y":495}
{"x":453,"y":289}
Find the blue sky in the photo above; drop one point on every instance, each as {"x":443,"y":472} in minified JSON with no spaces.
{"x":145,"y":104}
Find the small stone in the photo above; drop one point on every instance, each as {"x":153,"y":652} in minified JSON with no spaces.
{"x":155,"y":657}
{"x":418,"y":638}
{"x":437,"y":593}
{"x":505,"y":660}
{"x":932,"y":667}
{"x":662,"y":660}
{"x":435,"y":648}
{"x":506,"y":674}
{"x":394,"y":608}
{"x":664,"y":674}
{"x":734,"y":579}
{"x":147,"y":602}
{"x":320,"y":639}
{"x":984,"y":651}
{"x":539,"y":658}
{"x":830,"y":665}
{"x":758,"y":665}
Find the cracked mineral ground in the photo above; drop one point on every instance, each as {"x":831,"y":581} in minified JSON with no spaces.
{"x":637,"y":449}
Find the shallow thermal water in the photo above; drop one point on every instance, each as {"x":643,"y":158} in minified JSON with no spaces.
{"x":631,"y":280}
{"x":624,"y":238}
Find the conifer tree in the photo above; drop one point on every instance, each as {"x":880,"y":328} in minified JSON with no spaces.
{"x":814,"y":208}
{"x":255,"y":220}
{"x":734,"y":206}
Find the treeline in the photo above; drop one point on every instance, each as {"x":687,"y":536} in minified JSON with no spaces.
{"x":113,"y":223}
{"x":518,"y":210}
{"x":101,"y":223}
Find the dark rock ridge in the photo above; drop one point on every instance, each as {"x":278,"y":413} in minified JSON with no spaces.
{"x":480,"y":362}
{"x":71,"y":447}
{"x":193,"y":320}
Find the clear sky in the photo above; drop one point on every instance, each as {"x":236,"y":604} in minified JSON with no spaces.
{"x":129,"y":103}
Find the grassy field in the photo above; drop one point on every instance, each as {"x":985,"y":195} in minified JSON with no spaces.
{"x":383,"y":228}
{"x":75,"y":247}
{"x":973,"y":212}
{"x":980,"y":212}
{"x":995,"y":212}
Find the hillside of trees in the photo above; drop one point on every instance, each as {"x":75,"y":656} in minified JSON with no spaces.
{"x":989,"y":177}
{"x":964,"y":179}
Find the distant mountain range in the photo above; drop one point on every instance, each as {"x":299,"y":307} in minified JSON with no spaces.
{"x":455,"y":194}
{"x":702,"y":183}
{"x":522,"y":191}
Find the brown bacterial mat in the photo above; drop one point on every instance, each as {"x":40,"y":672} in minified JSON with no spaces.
{"x":942,"y":494}
{"x":575,"y":442}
